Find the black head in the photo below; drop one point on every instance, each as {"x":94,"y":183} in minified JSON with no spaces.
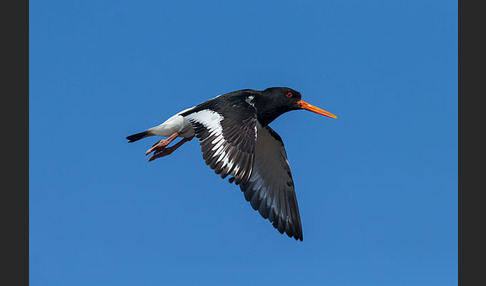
{"x":284,"y":97}
{"x":275,"y":101}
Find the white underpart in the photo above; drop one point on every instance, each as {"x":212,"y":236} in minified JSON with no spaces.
{"x":212,"y":121}
{"x":176,"y":123}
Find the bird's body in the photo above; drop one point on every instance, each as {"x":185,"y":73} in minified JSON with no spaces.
{"x":176,"y":123}
{"x":236,"y":141}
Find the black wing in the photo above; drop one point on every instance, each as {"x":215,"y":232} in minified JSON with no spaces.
{"x":270,"y":189}
{"x":226,"y":129}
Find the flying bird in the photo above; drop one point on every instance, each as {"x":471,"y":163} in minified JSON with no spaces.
{"x":236,"y":141}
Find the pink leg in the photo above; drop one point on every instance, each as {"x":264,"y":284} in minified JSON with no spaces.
{"x":159,"y":146}
{"x":168,"y":150}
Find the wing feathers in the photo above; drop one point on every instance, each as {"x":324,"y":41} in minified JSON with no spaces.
{"x":270,"y":189}
{"x":233,"y":143}
{"x":227,"y":134}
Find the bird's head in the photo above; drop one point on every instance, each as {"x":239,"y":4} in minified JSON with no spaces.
{"x":286,"y":99}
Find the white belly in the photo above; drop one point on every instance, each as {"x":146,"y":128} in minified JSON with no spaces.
{"x":176,"y":123}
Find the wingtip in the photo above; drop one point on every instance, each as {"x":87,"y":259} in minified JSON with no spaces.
{"x":296,"y":236}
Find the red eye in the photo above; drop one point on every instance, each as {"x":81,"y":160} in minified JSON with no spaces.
{"x":289,"y":94}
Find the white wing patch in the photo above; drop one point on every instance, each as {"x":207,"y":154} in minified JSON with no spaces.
{"x":249,"y":100}
{"x":210,"y":119}
{"x":224,"y":144}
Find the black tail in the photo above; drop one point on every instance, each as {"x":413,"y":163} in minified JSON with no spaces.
{"x":138,"y":136}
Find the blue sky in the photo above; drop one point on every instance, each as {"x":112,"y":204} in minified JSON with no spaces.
{"x":377,"y":187}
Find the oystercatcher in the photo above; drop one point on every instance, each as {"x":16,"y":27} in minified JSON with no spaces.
{"x":236,"y":141}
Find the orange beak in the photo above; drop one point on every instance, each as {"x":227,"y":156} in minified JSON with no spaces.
{"x":310,"y":107}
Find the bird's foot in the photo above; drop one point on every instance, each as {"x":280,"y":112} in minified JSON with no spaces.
{"x":159,"y":146}
{"x":162,"y":150}
{"x":162,"y":144}
{"x":159,"y":153}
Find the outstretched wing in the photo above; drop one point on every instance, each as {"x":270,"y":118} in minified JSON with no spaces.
{"x":270,"y":189}
{"x":226,"y":129}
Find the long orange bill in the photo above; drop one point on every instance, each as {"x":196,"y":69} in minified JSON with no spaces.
{"x":310,"y":107}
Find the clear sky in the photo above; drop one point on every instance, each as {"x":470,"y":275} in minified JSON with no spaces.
{"x":377,"y":187}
